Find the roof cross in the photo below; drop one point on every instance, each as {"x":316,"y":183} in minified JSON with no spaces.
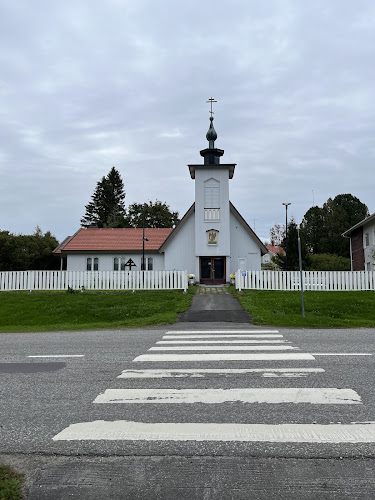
{"x":211,"y":100}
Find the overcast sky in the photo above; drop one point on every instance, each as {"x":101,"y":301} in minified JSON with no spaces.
{"x":86,"y":85}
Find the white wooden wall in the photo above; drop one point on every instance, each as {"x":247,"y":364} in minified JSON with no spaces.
{"x":312,"y":280}
{"x":93,"y":280}
{"x":79,"y":262}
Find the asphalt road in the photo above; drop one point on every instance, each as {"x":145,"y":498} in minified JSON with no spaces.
{"x":42,"y":397}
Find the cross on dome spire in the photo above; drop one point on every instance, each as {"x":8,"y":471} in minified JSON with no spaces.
{"x":211,"y":100}
{"x":211,"y":135}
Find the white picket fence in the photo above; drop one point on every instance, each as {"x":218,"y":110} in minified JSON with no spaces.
{"x":93,"y":280}
{"x":312,"y":280}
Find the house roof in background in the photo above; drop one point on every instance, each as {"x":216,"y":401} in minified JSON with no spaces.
{"x":94,"y":239}
{"x":370,"y":218}
{"x":275,"y":249}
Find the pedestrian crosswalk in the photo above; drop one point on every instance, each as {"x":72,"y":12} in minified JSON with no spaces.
{"x":228,"y":349}
{"x":161,"y":357}
{"x":203,"y":372}
{"x":217,"y":396}
{"x":122,"y":430}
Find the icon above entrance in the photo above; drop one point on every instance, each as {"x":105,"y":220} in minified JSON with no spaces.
{"x":212,"y":270}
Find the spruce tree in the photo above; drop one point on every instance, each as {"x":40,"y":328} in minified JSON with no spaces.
{"x":106,"y":208}
{"x":293,"y":257}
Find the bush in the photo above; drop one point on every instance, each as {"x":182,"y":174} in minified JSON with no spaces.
{"x":329,"y":262}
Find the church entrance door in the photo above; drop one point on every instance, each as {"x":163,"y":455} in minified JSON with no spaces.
{"x":212,"y":270}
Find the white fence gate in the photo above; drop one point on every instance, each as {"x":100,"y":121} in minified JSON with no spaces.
{"x":93,"y":280}
{"x":312,"y":280}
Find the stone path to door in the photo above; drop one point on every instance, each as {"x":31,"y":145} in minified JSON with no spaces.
{"x":207,"y":289}
{"x":215,"y":304}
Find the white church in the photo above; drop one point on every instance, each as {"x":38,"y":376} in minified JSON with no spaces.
{"x":211,"y":241}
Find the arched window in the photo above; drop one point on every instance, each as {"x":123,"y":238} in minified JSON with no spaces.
{"x":211,"y":193}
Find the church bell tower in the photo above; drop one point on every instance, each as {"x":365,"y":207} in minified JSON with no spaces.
{"x":212,"y":213}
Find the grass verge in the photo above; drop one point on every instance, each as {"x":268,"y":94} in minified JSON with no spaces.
{"x":51,"y":311}
{"x":322,"y":309}
{"x":10,"y":484}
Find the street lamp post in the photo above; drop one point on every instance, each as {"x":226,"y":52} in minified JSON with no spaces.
{"x":143,"y":265}
{"x":286,"y":235}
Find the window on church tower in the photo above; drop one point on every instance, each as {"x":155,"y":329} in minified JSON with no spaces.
{"x":211,"y":193}
{"x":211,"y":199}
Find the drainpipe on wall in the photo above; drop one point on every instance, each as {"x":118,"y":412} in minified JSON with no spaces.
{"x":351,"y":255}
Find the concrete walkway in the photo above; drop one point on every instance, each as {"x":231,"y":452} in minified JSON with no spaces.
{"x":215,"y":304}
{"x":212,"y":289}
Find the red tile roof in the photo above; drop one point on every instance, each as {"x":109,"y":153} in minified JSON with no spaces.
{"x":275,"y":249}
{"x":58,"y":248}
{"x":114,"y":239}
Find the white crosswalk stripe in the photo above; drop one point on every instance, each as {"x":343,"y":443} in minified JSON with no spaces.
{"x":223,"y":346}
{"x":209,"y":332}
{"x":123,"y":430}
{"x":287,"y":356}
{"x":268,"y":336}
{"x":215,"y":396}
{"x":206,"y":341}
{"x":200,"y":373}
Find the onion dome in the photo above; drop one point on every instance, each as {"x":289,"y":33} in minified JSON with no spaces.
{"x":211,"y":135}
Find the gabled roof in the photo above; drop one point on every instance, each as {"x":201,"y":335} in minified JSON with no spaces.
{"x":235,"y":213}
{"x":177,"y":228}
{"x":246,"y":226}
{"x":59,"y":247}
{"x":275,"y":249}
{"x":94,"y":239}
{"x":370,"y":218}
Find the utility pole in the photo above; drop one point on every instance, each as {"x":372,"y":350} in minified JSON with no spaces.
{"x":286,"y":235}
{"x":301,"y":274}
{"x":143,"y":265}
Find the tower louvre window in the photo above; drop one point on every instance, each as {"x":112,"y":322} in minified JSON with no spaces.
{"x":211,"y":193}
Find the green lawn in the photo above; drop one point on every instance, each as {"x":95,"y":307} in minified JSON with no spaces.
{"x":322,"y":309}
{"x":10,"y":484}
{"x":46,"y":311}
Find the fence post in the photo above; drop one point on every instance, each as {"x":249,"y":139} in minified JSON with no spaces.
{"x":239,"y":280}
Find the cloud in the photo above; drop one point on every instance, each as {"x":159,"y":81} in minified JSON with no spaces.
{"x":87,"y":85}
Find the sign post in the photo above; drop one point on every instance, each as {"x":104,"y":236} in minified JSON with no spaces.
{"x":300,"y":273}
